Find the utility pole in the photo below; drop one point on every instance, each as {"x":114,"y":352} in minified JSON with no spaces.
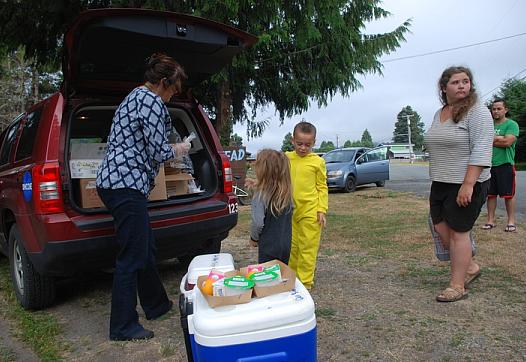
{"x":408,"y":116}
{"x":337,"y":141}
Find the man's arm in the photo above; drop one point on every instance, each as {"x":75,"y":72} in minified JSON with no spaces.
{"x":504,"y":141}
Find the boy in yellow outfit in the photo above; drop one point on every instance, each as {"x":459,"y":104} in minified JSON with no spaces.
{"x":311,"y":201}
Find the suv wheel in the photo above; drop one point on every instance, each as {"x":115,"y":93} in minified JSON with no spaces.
{"x":33,"y":290}
{"x":380,"y":183}
{"x":350,"y":184}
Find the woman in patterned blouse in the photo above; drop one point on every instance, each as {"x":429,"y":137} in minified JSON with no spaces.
{"x":137,"y":146}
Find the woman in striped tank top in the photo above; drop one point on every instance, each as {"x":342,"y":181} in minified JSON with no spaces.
{"x":459,"y":142}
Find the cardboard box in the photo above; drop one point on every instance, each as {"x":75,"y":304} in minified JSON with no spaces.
{"x":88,"y":151}
{"x":84,"y":168}
{"x":89,"y":197}
{"x":177,"y":184}
{"x":169,"y":170}
{"x":287,"y":275}
{"x":85,"y":159}
{"x":159,"y":191}
{"x":214,"y":301}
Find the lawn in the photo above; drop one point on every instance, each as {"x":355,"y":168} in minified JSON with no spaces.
{"x":375,"y":286}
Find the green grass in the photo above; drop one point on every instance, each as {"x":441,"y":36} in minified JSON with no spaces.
{"x":39,"y":330}
{"x":7,"y":355}
{"x":167,"y":349}
{"x":457,"y":339}
{"x":244,"y":217}
{"x":328,"y":252}
{"x":325,"y":312}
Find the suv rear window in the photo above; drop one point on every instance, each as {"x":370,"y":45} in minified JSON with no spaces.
{"x":28,"y":136}
{"x":8,"y":142}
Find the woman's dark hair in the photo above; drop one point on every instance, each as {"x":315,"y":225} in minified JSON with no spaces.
{"x":460,"y":109}
{"x":161,"y":66}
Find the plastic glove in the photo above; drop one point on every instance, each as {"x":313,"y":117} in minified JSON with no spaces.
{"x":182,"y":148}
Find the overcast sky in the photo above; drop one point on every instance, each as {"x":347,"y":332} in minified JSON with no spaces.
{"x":436,"y":25}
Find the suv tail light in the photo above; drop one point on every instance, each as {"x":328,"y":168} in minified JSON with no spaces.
{"x":228,"y":177}
{"x":47,"y":193}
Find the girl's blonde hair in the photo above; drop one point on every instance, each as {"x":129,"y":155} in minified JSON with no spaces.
{"x":273,"y":180}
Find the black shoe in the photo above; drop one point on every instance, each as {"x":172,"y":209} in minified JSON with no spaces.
{"x":142,"y":334}
{"x":163,"y":312}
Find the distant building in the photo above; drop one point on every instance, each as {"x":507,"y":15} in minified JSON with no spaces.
{"x":398,"y":150}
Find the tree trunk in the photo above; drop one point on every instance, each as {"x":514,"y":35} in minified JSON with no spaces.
{"x":224,"y":110}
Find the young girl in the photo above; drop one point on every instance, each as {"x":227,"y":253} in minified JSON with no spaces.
{"x":271,"y":228}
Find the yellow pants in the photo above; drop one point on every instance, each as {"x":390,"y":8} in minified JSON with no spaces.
{"x":306,"y":234}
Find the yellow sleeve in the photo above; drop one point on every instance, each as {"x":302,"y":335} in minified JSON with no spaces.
{"x":321,"y":187}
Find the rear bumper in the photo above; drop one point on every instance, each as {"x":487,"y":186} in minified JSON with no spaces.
{"x":71,"y":256}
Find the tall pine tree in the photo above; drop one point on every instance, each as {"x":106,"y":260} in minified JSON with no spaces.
{"x":401,"y":134}
{"x":287,"y":143}
{"x":367,"y":140}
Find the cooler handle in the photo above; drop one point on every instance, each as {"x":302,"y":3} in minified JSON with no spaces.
{"x":272,"y":357}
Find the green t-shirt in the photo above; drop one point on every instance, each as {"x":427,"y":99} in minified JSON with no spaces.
{"x":502,"y":155}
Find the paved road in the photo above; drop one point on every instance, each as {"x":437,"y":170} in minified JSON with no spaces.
{"x":415,"y":178}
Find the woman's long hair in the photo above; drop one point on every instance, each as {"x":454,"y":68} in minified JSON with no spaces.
{"x":273,"y":180}
{"x":461,"y":108}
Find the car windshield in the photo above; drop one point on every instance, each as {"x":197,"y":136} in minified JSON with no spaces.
{"x":339,"y":156}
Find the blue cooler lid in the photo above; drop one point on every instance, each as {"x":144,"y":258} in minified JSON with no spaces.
{"x":289,"y":312}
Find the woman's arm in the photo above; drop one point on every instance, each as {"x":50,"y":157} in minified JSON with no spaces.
{"x":154,"y":130}
{"x":480,"y":128}
{"x":466,"y":190}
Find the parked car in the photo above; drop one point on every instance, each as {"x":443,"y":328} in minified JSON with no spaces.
{"x":354,"y":166}
{"x":44,"y":229}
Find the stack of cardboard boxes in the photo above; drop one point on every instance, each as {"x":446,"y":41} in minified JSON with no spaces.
{"x":87,"y":157}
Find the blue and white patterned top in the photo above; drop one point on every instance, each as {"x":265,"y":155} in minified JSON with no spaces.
{"x":137,"y":144}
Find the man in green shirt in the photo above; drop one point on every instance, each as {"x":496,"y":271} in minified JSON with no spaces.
{"x":503,"y":165}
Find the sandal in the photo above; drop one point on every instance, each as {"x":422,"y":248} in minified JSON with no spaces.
{"x":488,"y":226}
{"x":510,"y":228}
{"x":471,"y":277}
{"x":452,"y":295}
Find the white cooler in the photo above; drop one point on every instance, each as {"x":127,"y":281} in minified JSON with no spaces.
{"x":201,"y":265}
{"x":280,"y":327}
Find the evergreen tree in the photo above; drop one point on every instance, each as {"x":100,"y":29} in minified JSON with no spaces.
{"x":307,"y":50}
{"x":401,"y":134}
{"x":287,"y":143}
{"x":347,"y":144}
{"x":236,"y":140}
{"x":326,"y":146}
{"x":367,"y":140}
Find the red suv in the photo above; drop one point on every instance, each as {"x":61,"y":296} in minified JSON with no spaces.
{"x":44,"y":229}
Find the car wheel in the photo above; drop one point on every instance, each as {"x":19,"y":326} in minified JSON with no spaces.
{"x":350,"y":184}
{"x":380,"y":183}
{"x":32,"y":289}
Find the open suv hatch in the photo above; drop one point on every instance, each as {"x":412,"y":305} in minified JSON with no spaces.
{"x":45,"y":228}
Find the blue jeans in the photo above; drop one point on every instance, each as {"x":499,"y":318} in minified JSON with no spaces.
{"x":135,"y":267}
